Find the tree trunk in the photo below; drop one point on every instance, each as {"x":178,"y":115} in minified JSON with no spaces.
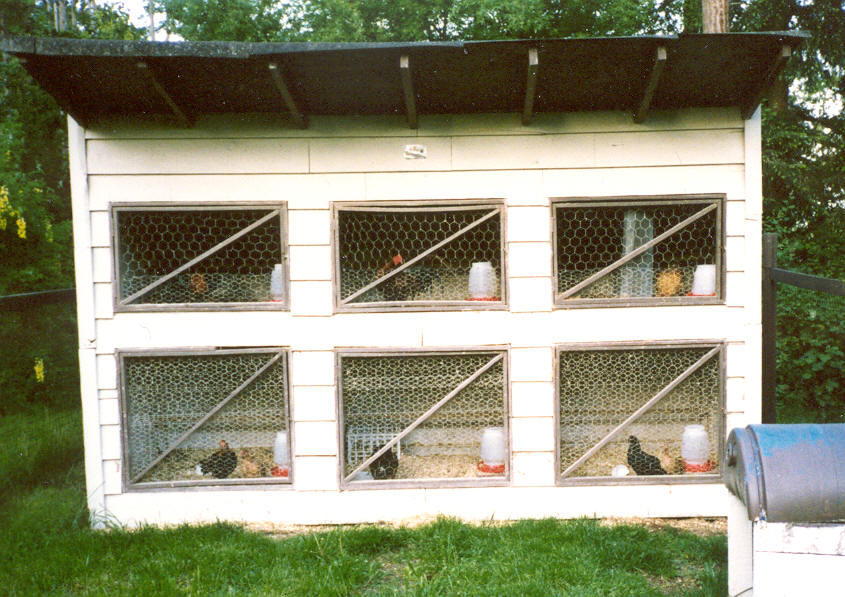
{"x":61,"y":18}
{"x":714,"y":16}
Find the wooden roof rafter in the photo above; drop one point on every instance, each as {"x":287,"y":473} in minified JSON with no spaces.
{"x":279,"y":82}
{"x":408,"y":91}
{"x":747,"y":110}
{"x":651,"y":87}
{"x":178,"y":111}
{"x":530,"y":86}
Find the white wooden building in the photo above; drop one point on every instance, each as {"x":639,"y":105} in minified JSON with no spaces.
{"x":553,"y":243}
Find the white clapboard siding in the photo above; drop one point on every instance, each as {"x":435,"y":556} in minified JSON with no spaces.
{"x":315,"y":438}
{"x":300,"y":191}
{"x":182,"y":156}
{"x":309,"y":227}
{"x":378,"y":154}
{"x":532,"y":434}
{"x":532,"y":399}
{"x":276,"y":125}
{"x":313,"y":473}
{"x":531,"y":364}
{"x":313,"y":403}
{"x":627,"y":181}
{"x":311,"y":263}
{"x":263,"y":159}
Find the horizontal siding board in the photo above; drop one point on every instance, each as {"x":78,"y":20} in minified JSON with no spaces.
{"x":313,"y":403}
{"x":188,"y":156}
{"x":215,"y":126}
{"x":311,"y":263}
{"x":300,"y":191}
{"x":533,"y":434}
{"x":627,"y":181}
{"x":309,"y":227}
{"x":315,"y":438}
{"x":533,"y":469}
{"x":532,"y":399}
{"x":378,"y":155}
{"x":529,"y":259}
{"x":311,"y":298}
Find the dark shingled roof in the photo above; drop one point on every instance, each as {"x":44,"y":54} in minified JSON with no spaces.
{"x":93,"y":78}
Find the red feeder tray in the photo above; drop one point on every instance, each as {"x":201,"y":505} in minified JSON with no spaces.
{"x":485,"y":298}
{"x":699,"y":468}
{"x":278,"y":471}
{"x":491,"y":469}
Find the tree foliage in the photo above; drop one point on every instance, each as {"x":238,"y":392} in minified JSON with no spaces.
{"x":803,"y":124}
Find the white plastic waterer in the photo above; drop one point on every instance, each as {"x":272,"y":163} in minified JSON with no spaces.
{"x":695,"y":445}
{"x":482,"y":280}
{"x":704,"y":280}
{"x":277,"y":283}
{"x":494,"y":446}
{"x":281,"y":450}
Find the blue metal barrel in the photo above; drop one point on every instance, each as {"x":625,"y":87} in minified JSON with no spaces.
{"x":788,"y":473}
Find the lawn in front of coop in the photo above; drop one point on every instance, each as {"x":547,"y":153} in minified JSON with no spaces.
{"x":47,"y":548}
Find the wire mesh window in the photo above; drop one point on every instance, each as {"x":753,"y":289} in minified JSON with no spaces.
{"x":666,"y":250}
{"x":437,"y":256}
{"x":649,"y":413}
{"x":189,"y":256}
{"x":205,"y":417}
{"x":417,"y":417}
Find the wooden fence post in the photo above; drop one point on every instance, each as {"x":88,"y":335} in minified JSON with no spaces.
{"x":769,"y":321}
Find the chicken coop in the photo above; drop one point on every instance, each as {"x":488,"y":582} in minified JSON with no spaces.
{"x":340,"y":283}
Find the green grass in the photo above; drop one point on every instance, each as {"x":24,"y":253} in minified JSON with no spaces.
{"x":47,"y":548}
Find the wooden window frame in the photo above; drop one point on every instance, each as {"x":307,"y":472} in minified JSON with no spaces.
{"x":718,"y":200}
{"x":719,"y":345}
{"x":341,"y":306}
{"x":502,"y":351}
{"x":121,"y":207}
{"x":128,"y":485}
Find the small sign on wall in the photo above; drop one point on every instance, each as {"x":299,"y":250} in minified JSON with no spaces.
{"x":415,"y":152}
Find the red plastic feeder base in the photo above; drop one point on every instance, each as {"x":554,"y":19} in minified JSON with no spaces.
{"x":278,"y":471}
{"x":491,"y":469}
{"x":485,"y":298}
{"x":698,"y":468}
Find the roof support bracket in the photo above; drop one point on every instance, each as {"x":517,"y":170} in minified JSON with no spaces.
{"x":178,"y":112}
{"x":651,"y":87}
{"x":408,"y":91}
{"x":279,"y":81}
{"x":748,"y":108}
{"x":530,"y":86}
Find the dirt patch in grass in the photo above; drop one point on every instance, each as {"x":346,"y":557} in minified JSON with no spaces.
{"x":702,"y":527}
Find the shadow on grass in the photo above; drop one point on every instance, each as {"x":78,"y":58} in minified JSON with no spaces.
{"x":48,"y":549}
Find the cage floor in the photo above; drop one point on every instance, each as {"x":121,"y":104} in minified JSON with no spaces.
{"x":181,"y":465}
{"x":441,"y":466}
{"x":601,"y":464}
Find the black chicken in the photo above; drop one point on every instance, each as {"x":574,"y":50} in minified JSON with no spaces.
{"x":385,"y":466}
{"x":221,"y":463}
{"x":642,"y":462}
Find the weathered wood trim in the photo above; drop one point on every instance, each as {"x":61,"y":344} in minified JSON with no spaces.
{"x":530,"y":86}
{"x":653,"y":81}
{"x":747,"y":109}
{"x":279,"y":81}
{"x":408,"y":91}
{"x":180,"y":114}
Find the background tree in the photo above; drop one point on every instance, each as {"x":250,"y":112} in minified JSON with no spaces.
{"x":38,"y":346}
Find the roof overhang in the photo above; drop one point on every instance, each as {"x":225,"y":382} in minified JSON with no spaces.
{"x":91,"y":79}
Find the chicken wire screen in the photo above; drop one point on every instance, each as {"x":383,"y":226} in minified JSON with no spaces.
{"x":212,"y":417}
{"x":448,"y":411}
{"x":640,"y":412}
{"x":657,"y":251}
{"x":191,"y":256}
{"x":437,"y":255}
